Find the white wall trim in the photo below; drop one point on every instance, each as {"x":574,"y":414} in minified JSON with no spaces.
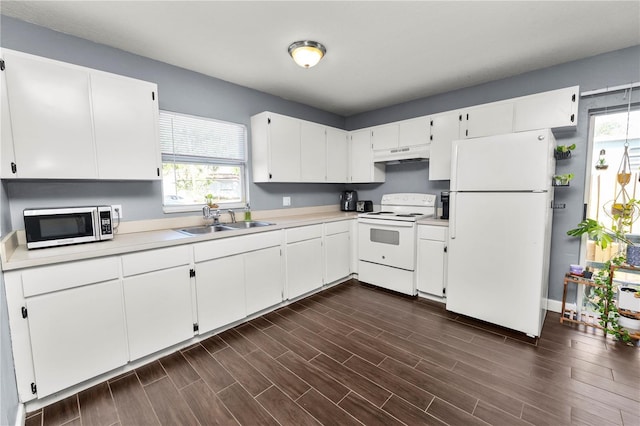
{"x":20,"y":415}
{"x":556,"y":305}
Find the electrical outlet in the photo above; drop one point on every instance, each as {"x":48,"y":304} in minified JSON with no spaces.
{"x":286,"y":201}
{"x":117,"y":210}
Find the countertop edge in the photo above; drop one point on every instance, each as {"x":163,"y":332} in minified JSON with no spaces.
{"x":16,"y":257}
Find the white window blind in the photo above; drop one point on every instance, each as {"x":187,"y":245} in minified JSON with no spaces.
{"x":187,"y":136}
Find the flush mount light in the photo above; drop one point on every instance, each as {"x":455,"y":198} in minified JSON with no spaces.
{"x":306,"y":53}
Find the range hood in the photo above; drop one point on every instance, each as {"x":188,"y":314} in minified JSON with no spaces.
{"x":402,"y":154}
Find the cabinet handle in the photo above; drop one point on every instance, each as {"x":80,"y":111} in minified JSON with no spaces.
{"x":14,"y":168}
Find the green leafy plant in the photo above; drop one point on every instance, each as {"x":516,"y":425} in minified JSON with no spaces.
{"x":604,"y":293}
{"x":565,"y":148}
{"x":563,"y":179}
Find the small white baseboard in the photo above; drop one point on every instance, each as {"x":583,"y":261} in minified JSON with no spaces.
{"x":556,"y":305}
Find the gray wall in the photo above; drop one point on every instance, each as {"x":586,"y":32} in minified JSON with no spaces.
{"x":179,"y":90}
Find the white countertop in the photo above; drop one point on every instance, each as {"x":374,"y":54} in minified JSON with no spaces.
{"x":433,"y":221}
{"x":17,"y":256}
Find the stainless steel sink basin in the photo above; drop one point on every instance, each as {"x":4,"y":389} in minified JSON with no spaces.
{"x":199,"y":230}
{"x":248,"y":224}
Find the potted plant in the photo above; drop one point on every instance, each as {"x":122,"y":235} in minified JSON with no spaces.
{"x":605,"y":292}
{"x":563,"y":152}
{"x":562,"y":180}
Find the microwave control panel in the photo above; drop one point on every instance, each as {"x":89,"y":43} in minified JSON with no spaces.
{"x":105,"y":223}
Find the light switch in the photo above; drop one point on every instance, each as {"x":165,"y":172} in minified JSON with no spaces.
{"x":286,"y":201}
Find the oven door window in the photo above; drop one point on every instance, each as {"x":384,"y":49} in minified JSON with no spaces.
{"x":46,"y":228}
{"x":384,"y":236}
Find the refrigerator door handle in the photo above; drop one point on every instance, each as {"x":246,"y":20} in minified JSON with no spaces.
{"x":452,"y":217}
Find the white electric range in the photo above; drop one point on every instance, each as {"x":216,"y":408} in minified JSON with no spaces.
{"x":387,"y":241}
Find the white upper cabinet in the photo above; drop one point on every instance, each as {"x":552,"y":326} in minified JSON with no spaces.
{"x":125,"y":116}
{"x":72,"y":122}
{"x":487,"y":120}
{"x":313,"y":152}
{"x":416,"y":131}
{"x":445,"y":128}
{"x":385,"y":137}
{"x":50,"y":107}
{"x":337,"y":155}
{"x":362,"y":167}
{"x":275,"y":143}
{"x":547,"y":110}
{"x":7,"y":157}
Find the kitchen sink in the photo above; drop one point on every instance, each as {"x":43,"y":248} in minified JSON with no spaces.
{"x":198,"y":230}
{"x":248,"y":224}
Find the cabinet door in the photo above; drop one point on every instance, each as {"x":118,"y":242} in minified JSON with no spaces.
{"x":415,"y":132}
{"x":51,"y":118}
{"x":487,"y":120}
{"x":385,"y":137}
{"x":284,"y":149}
{"x":158,"y":308}
{"x":7,"y":158}
{"x":337,"y":259}
{"x":313,"y":152}
{"x":220,"y":292}
{"x":263,"y":279}
{"x":126,"y":127}
{"x":431,"y":267}
{"x":337,"y":156}
{"x":548,"y":110}
{"x":304,"y":267}
{"x":76,"y":334}
{"x":444,"y":130}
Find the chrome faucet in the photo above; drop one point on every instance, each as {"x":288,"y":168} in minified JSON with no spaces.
{"x":233,"y":215}
{"x":209,"y":213}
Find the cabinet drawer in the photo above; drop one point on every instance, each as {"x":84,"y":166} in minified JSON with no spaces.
{"x":303,"y":233}
{"x":155,"y":260}
{"x":47,"y":279}
{"x":235,"y":245}
{"x":438,"y":233}
{"x":337,"y":227}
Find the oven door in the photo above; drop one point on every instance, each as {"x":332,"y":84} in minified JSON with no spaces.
{"x":387,"y":242}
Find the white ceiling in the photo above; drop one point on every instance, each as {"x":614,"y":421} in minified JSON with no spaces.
{"x":378,"y":53}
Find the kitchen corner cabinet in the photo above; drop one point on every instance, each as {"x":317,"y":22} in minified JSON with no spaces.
{"x":72,"y":122}
{"x":157,"y":299}
{"x":432,"y":259}
{"x":72,"y":325}
{"x":304,"y":260}
{"x":236,"y":277}
{"x":445,"y":128}
{"x":275,"y":148}
{"x":313,"y":152}
{"x":337,"y":250}
{"x":362,"y":167}
{"x":337,"y":155}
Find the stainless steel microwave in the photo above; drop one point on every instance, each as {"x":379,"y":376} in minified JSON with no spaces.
{"x":53,"y":227}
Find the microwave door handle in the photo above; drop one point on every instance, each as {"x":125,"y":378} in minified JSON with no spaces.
{"x":96,"y":220}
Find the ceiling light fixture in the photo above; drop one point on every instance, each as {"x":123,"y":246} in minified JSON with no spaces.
{"x":307,"y":53}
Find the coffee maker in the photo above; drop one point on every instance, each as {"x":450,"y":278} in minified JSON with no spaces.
{"x":348,"y":201}
{"x":444,"y":199}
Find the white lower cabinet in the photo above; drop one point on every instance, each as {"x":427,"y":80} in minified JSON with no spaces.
{"x":432,"y":258}
{"x":263,"y":279}
{"x":157,"y":299}
{"x":67,"y":324}
{"x":236,"y":277}
{"x":337,"y":250}
{"x":220,"y":292}
{"x":303,"y":260}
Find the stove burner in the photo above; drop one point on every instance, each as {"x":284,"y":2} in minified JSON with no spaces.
{"x":378,"y":213}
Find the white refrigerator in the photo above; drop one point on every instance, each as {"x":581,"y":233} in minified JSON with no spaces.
{"x":500,"y":228}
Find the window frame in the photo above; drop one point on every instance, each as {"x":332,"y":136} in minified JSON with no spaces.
{"x":214,"y":161}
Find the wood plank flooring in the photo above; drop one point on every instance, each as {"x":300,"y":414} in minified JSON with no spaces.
{"x":356,"y":355}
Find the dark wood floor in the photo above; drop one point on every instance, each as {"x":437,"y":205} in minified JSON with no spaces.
{"x":359,"y":355}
